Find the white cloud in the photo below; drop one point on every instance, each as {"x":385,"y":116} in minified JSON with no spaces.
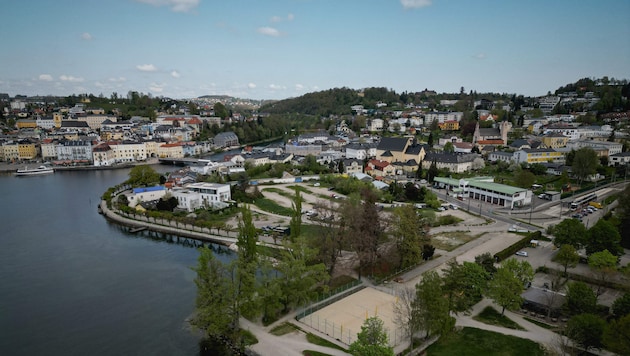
{"x":45,"y":77}
{"x":158,"y":88}
{"x":268,"y":31}
{"x":86,"y":36}
{"x":299,"y":87}
{"x":146,"y":67}
{"x":119,"y":79}
{"x":69,"y":78}
{"x":290,"y":17}
{"x":175,"y":5}
{"x":276,"y":19}
{"x":480,"y":56}
{"x":175,"y":74}
{"x":251,"y":85}
{"x":415,"y":4}
{"x":276,"y":87}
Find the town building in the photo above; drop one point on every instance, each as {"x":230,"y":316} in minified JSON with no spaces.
{"x":485,"y":191}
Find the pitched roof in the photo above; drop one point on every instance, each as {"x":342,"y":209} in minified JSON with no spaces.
{"x":396,"y":144}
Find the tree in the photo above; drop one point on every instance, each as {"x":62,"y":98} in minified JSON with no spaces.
{"x":621,"y":306}
{"x":580,"y":299}
{"x":524,"y":178}
{"x":464,"y":285}
{"x":604,"y":264}
{"x":448,"y":147}
{"x":486,"y":260}
{"x":372,"y":340}
{"x":143,"y":175}
{"x":296,"y":219}
{"x":430,"y":140}
{"x":587,"y":330}
{"x":214,"y":295}
{"x":522,"y":270}
{"x":567,"y":257}
{"x":569,"y":232}
{"x":622,"y":212}
{"x":299,"y":277}
{"x":603,"y":236}
{"x":427,"y":251}
{"x":333,"y":231}
{"x":432,"y":172}
{"x":365,"y":228}
{"x":244,"y":267}
{"x":409,"y":234}
{"x":584,"y":163}
{"x":220,"y":110}
{"x":431,"y":307}
{"x":505,"y":289}
{"x":405,"y":317}
{"x":617,"y":335}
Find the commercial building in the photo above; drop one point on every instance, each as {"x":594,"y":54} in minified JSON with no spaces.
{"x":484,"y":189}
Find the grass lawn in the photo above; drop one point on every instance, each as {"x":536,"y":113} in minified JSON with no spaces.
{"x":542,"y":325}
{"x":301,"y":188}
{"x":491,"y":316}
{"x":471,"y":342}
{"x":314,"y":339}
{"x":313,"y":353}
{"x":272,"y":207}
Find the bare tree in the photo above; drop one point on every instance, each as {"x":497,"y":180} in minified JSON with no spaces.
{"x":405,"y":315}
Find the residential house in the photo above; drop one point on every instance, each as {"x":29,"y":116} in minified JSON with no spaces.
{"x":103,"y":155}
{"x":611,"y":147}
{"x":360,"y":151}
{"x":501,"y":156}
{"x":202,"y":195}
{"x":375,"y":125}
{"x":619,"y":159}
{"x":453,"y":162}
{"x":95,"y":121}
{"x":378,"y":168}
{"x":128,"y":151}
{"x":520,"y":144}
{"x":352,"y":166}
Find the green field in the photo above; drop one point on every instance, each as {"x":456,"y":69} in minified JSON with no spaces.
{"x":491,"y":316}
{"x":471,"y":342}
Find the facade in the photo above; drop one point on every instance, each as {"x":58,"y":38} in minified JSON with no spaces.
{"x":303,"y":150}
{"x":500,"y":156}
{"x":170,"y":150}
{"x":484,"y":190}
{"x":399,"y":149}
{"x":226,"y":139}
{"x":441,"y":116}
{"x":619,"y":159}
{"x":612,"y":147}
{"x":450,"y":125}
{"x":128,"y":151}
{"x":453,"y":162}
{"x":139,"y":195}
{"x":352,"y":166}
{"x":103,"y":155}
{"x":380,"y":168}
{"x":45,"y":122}
{"x":492,"y":136}
{"x":538,"y":155}
{"x":74,"y":151}
{"x":555,"y":140}
{"x":95,"y":121}
{"x":202,"y":195}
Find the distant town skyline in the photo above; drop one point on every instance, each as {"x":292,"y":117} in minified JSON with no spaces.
{"x":286,"y":48}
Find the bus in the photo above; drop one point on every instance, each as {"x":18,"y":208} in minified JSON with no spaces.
{"x":579,"y":202}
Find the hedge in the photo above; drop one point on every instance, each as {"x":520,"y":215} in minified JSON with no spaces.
{"x":518,"y":245}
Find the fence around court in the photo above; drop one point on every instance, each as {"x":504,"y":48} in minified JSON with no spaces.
{"x":336,"y":330}
{"x":344,"y":334}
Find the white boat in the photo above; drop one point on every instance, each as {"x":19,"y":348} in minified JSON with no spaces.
{"x":34,"y":171}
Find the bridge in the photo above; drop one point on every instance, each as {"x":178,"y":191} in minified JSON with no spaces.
{"x":183,"y":161}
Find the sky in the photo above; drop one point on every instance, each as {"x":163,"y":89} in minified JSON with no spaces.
{"x":276,"y":49}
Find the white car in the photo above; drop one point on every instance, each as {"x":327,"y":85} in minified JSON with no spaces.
{"x":522,"y":253}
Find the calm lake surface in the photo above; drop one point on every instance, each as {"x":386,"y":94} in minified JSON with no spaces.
{"x":72,"y":283}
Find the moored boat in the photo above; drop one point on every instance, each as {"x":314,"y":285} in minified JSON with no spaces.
{"x":34,"y":171}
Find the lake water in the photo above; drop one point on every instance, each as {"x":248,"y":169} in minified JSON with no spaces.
{"x":72,"y":283}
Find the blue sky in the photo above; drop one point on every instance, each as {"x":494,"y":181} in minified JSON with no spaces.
{"x":274,"y":49}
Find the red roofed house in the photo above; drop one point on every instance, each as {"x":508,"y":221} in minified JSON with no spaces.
{"x":379,"y":168}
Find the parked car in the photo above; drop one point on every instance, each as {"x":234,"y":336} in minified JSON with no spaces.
{"x":522,"y":253}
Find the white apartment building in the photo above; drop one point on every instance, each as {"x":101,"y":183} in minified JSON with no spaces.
{"x":202,"y":195}
{"x":442,"y":116}
{"x":129,"y":151}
